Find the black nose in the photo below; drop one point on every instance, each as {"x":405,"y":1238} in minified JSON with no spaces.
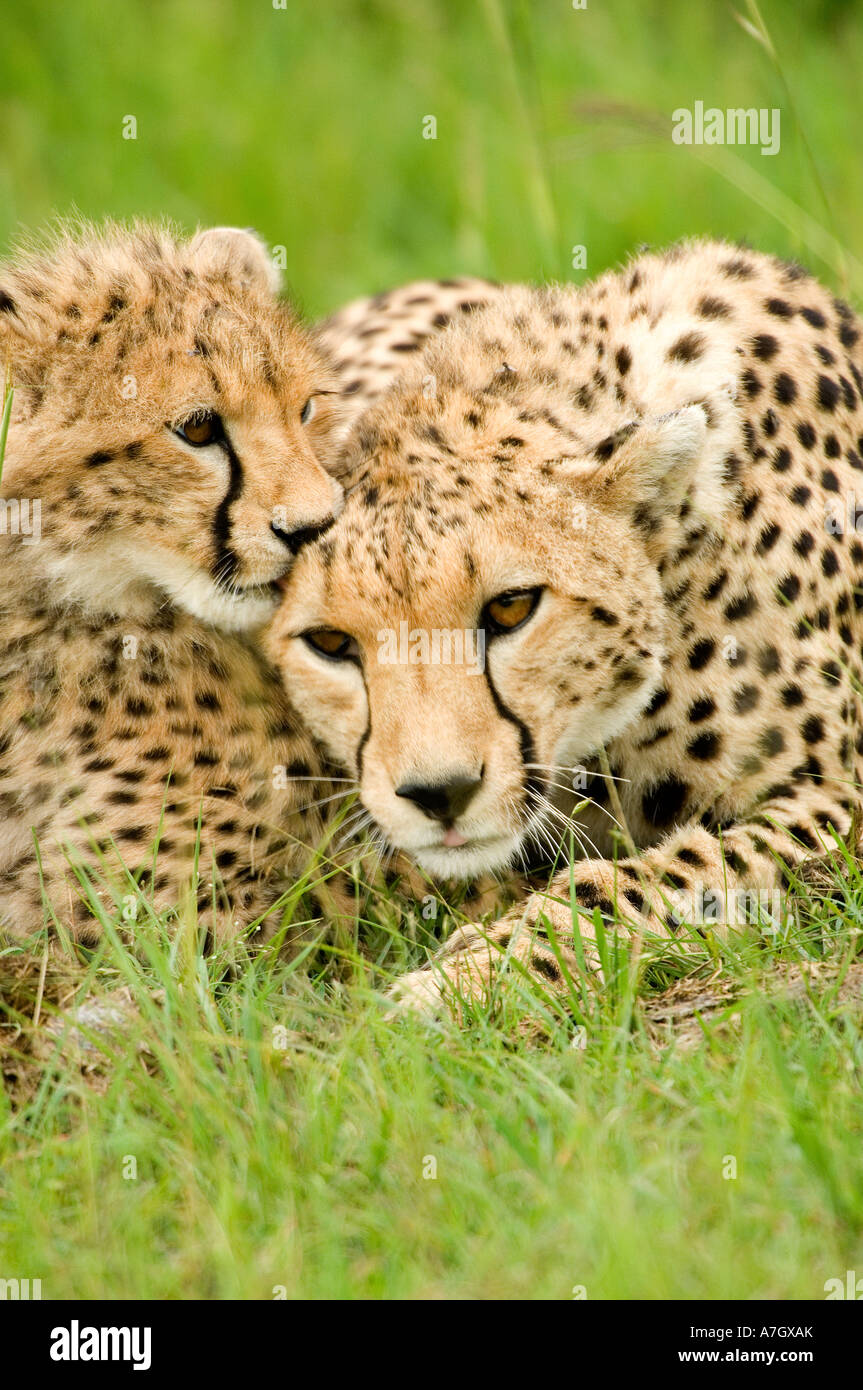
{"x":443,"y":801}
{"x":303,"y":534}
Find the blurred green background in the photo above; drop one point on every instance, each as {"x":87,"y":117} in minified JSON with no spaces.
{"x":553,"y":129}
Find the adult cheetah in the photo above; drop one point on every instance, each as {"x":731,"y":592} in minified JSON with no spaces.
{"x":641,"y":495}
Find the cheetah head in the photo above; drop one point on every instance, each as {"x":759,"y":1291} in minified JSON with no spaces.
{"x":487,"y":613}
{"x":166,"y":412}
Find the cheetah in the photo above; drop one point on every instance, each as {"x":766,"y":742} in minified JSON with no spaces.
{"x":167,"y":410}
{"x":637,"y":496}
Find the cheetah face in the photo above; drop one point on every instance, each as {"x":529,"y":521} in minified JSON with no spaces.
{"x":167,"y":411}
{"x":462,"y":653}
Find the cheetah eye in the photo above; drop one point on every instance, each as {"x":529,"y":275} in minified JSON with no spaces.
{"x":307,"y":411}
{"x":204,"y":427}
{"x":510,"y":610}
{"x":337,"y":646}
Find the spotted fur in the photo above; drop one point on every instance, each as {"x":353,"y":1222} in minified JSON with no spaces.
{"x":139,"y":727}
{"x":669,"y":456}
{"x":372,"y":341}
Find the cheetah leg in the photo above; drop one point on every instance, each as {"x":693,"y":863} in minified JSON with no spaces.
{"x":718,"y":875}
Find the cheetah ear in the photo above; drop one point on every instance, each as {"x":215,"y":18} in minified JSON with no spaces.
{"x":658,"y":463}
{"x":230,"y":252}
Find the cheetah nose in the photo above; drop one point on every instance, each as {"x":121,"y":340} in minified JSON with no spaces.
{"x":443,"y":801}
{"x":302,"y":535}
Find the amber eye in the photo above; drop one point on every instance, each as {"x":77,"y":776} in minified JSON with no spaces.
{"x":326,"y":641}
{"x":307,"y":411}
{"x":203,"y":428}
{"x":508,"y":611}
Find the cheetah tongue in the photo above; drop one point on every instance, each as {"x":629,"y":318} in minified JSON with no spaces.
{"x":453,"y":840}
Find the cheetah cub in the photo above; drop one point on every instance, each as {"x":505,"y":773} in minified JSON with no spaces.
{"x":159,"y":478}
{"x":617,"y":537}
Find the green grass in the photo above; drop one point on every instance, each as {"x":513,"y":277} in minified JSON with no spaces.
{"x":553,"y":129}
{"x":274,"y":1125}
{"x":279,"y":1118}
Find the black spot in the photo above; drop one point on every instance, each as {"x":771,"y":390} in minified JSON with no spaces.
{"x":827,"y":394}
{"x":689,"y":856}
{"x":99,"y":457}
{"x":623,"y":358}
{"x":746,"y":698}
{"x":663,"y":805}
{"x":764,"y":347}
{"x":715,"y":587}
{"x":741,"y":607}
{"x":713,"y":308}
{"x":123,"y":798}
{"x":806,"y":435}
{"x":815,"y":317}
{"x":768,"y":661}
{"x":804,"y":544}
{"x":768,"y":538}
{"x":602,"y":615}
{"x":701,"y":653}
{"x":700,"y":709}
{"x":829,"y":480}
{"x":804,"y":836}
{"x":789,"y":587}
{"x":829,"y":563}
{"x":545,"y":966}
{"x":659,"y":699}
{"x":139,"y":709}
{"x":751,"y":383}
{"x":737,"y":269}
{"x":782,"y":459}
{"x":706,"y":746}
{"x":772,"y":741}
{"x":784,"y":389}
{"x":812,"y":729}
{"x":688,"y":348}
{"x":606,"y":448}
{"x":779,"y":307}
{"x":831,"y":673}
